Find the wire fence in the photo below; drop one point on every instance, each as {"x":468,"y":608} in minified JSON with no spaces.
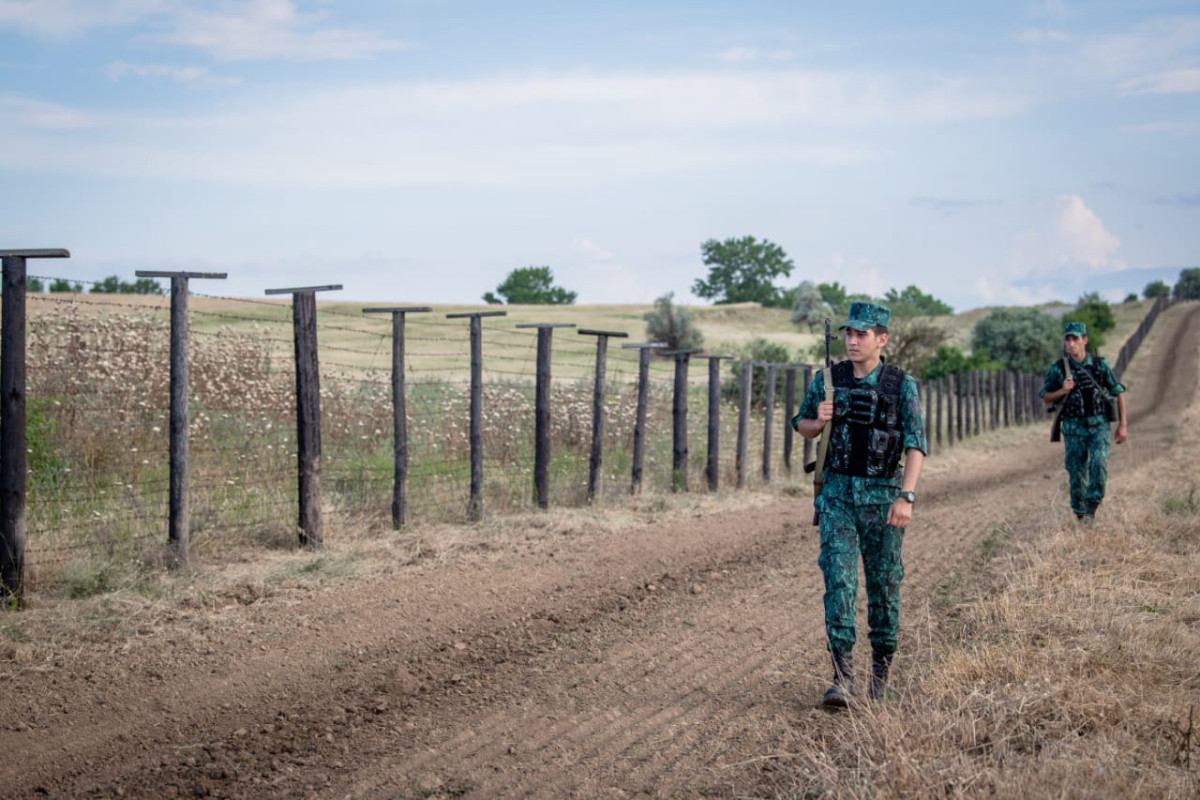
{"x":97,"y":421}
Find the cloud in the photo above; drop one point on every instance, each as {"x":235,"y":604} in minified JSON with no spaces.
{"x":233,"y":30}
{"x":516,"y":129}
{"x":740,"y":55}
{"x":20,"y":113}
{"x":66,"y":18}
{"x":265,"y":29}
{"x":197,"y":76}
{"x":1080,"y":236}
{"x":1178,"y":81}
{"x":1148,"y":47}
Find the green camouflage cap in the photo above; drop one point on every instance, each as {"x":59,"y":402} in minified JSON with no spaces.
{"x":866,"y":315}
{"x":1074,"y":329}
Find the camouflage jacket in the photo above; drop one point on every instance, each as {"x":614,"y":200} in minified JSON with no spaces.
{"x":1081,"y":426}
{"x":868,"y":491}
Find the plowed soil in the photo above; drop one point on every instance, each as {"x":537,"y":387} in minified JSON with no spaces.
{"x":657,"y":657}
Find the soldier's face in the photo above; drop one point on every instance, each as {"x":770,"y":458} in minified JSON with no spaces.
{"x":1076,"y":346}
{"x":864,"y":346}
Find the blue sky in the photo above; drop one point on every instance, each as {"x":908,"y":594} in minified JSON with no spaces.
{"x":989,"y":153}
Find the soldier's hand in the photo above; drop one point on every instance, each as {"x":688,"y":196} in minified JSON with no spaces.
{"x":1068,"y":384}
{"x":825,"y":411}
{"x":900,"y":514}
{"x":1121,"y":435}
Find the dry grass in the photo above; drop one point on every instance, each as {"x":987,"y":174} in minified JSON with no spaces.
{"x":1069,"y":670}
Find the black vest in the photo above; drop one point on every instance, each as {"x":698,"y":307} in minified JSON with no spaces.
{"x":1091,"y":391}
{"x":866,"y":440}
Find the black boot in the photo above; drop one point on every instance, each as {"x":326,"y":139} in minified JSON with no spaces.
{"x":881,"y":662}
{"x":838,"y":695}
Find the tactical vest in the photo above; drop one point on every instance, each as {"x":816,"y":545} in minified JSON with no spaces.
{"x":866,"y":440}
{"x":1088,"y":399}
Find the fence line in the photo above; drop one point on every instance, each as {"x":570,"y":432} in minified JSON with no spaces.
{"x":98,"y":478}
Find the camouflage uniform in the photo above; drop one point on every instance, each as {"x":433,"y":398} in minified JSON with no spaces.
{"x":854,"y":520}
{"x":1086,"y":436}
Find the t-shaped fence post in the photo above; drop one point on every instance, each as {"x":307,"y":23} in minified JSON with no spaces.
{"x":178,"y":522}
{"x":13,"y":462}
{"x":475,"y":504}
{"x":679,"y":437}
{"x":598,"y":407}
{"x":712,"y":467}
{"x":308,"y":409}
{"x":399,"y":412}
{"x":541,"y":410}
{"x":639,"y":424}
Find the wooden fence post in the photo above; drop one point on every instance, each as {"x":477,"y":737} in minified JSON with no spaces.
{"x":768,"y":413}
{"x":594,"y":461}
{"x":178,"y":523}
{"x":807,"y":455}
{"x":399,"y":412}
{"x":475,"y":502}
{"x":789,"y":401}
{"x":13,"y":461}
{"x":712,"y":461}
{"x":743,"y":430}
{"x":639,"y":424}
{"x":1005,"y":404}
{"x":941,"y":391}
{"x":679,"y":436}
{"x":308,"y":409}
{"x":541,"y":411}
{"x":958,"y":407}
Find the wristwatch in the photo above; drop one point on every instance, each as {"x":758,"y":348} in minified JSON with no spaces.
{"x":911,"y":497}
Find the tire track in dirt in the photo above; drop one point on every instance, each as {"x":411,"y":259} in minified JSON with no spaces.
{"x":574,"y":679}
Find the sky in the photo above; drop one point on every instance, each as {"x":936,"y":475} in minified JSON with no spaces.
{"x":417,"y":151}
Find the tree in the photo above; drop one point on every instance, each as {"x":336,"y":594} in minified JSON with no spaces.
{"x":671,"y":324}
{"x":114,"y":285}
{"x":34,"y":285}
{"x":913,"y":342}
{"x":1093,"y":311}
{"x":834,"y":294}
{"x":1130,"y":298}
{"x":1156,"y":289}
{"x":531,"y":286}
{"x":63,"y":285}
{"x":950,"y":360}
{"x":110,"y":285}
{"x":912,"y":302}
{"x":760,"y":351}
{"x":1021,"y":339}
{"x":1188,"y":285}
{"x":808,"y":308}
{"x":743,"y":270}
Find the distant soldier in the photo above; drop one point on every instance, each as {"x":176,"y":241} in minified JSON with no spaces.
{"x":1092,"y":399}
{"x":866,"y":499}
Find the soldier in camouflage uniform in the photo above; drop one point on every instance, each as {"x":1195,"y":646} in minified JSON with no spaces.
{"x":867,"y":499}
{"x":1085,"y":417}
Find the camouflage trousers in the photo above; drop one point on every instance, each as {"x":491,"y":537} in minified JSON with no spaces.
{"x":1087,"y":468}
{"x":848,"y":531}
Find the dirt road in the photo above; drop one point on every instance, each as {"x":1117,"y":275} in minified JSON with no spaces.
{"x":661,"y":652}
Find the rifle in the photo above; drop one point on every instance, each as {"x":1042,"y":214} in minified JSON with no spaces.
{"x":823,"y":444}
{"x":1056,"y":426}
